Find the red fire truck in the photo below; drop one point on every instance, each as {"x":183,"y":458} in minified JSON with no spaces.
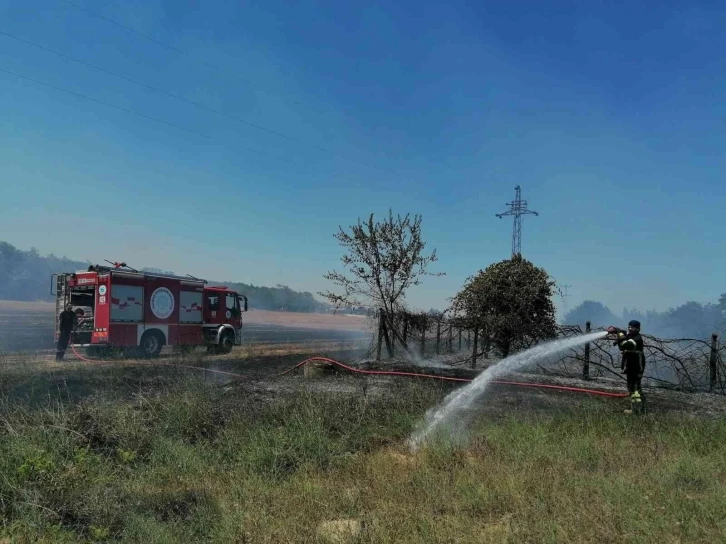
{"x":119,"y":307}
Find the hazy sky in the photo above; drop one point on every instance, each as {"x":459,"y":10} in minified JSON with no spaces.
{"x":610,"y":117}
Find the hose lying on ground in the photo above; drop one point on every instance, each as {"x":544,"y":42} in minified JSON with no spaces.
{"x":453,"y":379}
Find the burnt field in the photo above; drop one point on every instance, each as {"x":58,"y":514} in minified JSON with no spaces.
{"x":208,"y":445}
{"x":273,"y":342}
{"x":27,"y":327}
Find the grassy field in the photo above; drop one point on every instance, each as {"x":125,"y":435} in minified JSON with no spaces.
{"x":156,"y":455}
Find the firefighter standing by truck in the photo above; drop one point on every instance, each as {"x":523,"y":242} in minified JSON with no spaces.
{"x":66,"y":323}
{"x":630,"y":343}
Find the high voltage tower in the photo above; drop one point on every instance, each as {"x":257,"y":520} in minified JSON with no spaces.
{"x":517,"y":208}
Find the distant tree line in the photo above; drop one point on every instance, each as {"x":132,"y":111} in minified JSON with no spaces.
{"x":25,"y":276}
{"x":690,"y":320}
{"x":280,"y":298}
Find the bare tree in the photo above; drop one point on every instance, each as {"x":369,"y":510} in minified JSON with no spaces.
{"x":382,"y":260}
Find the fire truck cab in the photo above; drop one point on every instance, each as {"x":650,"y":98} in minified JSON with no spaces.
{"x":123,"y":308}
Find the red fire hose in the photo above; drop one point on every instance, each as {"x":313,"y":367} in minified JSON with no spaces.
{"x":452,"y":379}
{"x":81,"y":357}
{"x":389,"y":373}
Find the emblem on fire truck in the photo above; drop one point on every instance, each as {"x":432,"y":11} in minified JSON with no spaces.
{"x":102,"y":290}
{"x":162,"y":303}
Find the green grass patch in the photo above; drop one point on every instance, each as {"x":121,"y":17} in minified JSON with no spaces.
{"x":185,"y":461}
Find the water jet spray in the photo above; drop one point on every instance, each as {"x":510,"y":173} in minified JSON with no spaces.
{"x":460,"y":400}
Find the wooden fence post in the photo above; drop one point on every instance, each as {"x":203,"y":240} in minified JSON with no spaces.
{"x":438,"y":335}
{"x":713,"y":362}
{"x":393,"y":335}
{"x":473,"y":353}
{"x":586,"y":362}
{"x":405,"y":329}
{"x":380,"y":335}
{"x":423,"y":336}
{"x":386,"y":336}
{"x":459,"y":338}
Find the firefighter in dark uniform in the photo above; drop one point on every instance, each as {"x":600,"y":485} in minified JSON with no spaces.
{"x":630,"y":343}
{"x":66,"y":322}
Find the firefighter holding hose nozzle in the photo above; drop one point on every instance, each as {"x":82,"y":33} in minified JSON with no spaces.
{"x":630,"y":343}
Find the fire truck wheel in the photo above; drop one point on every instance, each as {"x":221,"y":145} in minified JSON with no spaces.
{"x":226,"y":343}
{"x":151,"y":344}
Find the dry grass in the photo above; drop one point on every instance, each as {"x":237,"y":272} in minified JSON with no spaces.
{"x":277,"y":350}
{"x":179,"y":460}
{"x":245,"y":354}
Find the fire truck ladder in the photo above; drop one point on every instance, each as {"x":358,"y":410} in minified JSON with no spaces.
{"x":61,"y":294}
{"x":123,"y":267}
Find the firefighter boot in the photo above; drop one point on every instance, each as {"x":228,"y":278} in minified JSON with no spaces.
{"x":634,"y":399}
{"x":636,"y":403}
{"x":639,"y":403}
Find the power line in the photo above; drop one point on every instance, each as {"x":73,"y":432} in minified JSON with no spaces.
{"x":182,"y":52}
{"x":229,"y":72}
{"x":150,"y":118}
{"x":190,"y":102}
{"x":517,"y":208}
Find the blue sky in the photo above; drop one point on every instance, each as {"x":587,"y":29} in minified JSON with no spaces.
{"x":610,"y":117}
